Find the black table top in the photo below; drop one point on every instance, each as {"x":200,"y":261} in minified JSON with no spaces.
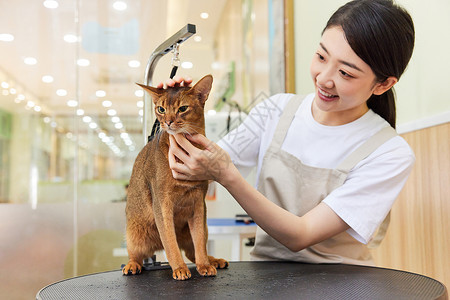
{"x":254,"y":280}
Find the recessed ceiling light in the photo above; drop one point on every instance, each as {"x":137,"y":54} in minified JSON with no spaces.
{"x":82,"y":62}
{"x":12,"y":91}
{"x":197,"y":38}
{"x":61,"y":92}
{"x":72,"y":103}
{"x":140,"y":104}
{"x":204,"y":15}
{"x":100,"y":93}
{"x":111,"y":112}
{"x":106,"y":103}
{"x":80,"y":112}
{"x":118,"y":125}
{"x":141,"y":112}
{"x":119,"y":5}
{"x":30,"y":104}
{"x":139,"y":93}
{"x":6,"y":37}
{"x":30,"y":61}
{"x":5,"y":92}
{"x":47,"y":79}
{"x":37,"y":108}
{"x":134,"y":64}
{"x":87,"y":119}
{"x":187,"y":65}
{"x":70,"y":38}
{"x":115,"y":119}
{"x":51,"y":4}
{"x":93,"y":125}
{"x":5,"y":85}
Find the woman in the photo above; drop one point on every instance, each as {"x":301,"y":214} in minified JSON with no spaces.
{"x":329,"y":166}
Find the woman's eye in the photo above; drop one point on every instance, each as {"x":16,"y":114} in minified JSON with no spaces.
{"x":183,"y":109}
{"x":161,"y":110}
{"x":345,"y":74}
{"x":320,"y":56}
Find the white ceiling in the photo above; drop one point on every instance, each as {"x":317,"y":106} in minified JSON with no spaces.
{"x":126,"y":35}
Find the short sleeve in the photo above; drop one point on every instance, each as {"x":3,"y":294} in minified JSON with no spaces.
{"x":367,"y":195}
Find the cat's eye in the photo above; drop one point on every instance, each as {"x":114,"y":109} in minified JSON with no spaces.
{"x":161,"y":110}
{"x":183,"y":108}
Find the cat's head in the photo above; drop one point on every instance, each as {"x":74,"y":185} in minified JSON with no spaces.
{"x":181,"y":109}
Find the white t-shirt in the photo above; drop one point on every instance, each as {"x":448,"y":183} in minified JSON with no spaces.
{"x":371,"y":187}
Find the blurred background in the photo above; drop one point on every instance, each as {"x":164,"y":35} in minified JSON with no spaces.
{"x":72,"y":118}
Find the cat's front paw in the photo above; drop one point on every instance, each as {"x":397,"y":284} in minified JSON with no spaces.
{"x":132,"y":268}
{"x":181,"y":273}
{"x":219,"y":263}
{"x":206,"y":270}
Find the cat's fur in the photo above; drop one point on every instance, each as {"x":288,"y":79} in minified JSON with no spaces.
{"x":162,"y":212}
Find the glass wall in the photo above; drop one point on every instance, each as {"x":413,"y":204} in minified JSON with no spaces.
{"x":71,"y":119}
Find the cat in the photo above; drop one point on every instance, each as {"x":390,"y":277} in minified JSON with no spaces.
{"x":162,"y":212}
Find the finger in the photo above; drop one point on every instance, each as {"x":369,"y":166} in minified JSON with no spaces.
{"x":170,"y":83}
{"x":160,"y":85}
{"x":175,"y":150}
{"x":201,"y":140}
{"x":185,"y":144}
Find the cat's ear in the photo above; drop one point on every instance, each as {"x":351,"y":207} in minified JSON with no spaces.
{"x":202,"y":88}
{"x":154,"y":92}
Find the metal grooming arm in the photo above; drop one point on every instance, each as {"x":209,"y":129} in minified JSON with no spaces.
{"x":167,"y":46}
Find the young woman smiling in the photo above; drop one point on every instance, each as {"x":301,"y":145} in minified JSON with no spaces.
{"x":329,"y":165}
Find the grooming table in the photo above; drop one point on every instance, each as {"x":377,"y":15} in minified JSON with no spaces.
{"x":254,"y":280}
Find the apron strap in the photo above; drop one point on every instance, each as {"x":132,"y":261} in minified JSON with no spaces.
{"x":367,"y":148}
{"x":285,"y":120}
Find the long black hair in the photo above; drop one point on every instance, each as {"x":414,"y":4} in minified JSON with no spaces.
{"x":382,"y":34}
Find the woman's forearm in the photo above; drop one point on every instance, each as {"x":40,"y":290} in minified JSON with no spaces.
{"x":294,"y":232}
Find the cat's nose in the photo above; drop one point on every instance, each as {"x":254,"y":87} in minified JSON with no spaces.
{"x":169,"y":123}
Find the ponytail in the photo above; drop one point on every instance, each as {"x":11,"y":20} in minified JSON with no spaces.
{"x":384,"y":105}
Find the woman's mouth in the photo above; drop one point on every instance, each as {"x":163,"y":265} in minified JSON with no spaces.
{"x":326,"y":96}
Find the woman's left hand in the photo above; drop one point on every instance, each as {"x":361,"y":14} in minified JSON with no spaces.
{"x":211,"y":163}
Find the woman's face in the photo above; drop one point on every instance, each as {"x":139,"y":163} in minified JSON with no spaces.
{"x":343,"y":81}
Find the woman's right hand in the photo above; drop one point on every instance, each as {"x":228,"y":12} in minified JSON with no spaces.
{"x":175,"y":82}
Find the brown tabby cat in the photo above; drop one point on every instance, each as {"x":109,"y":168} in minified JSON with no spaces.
{"x":162,"y":212}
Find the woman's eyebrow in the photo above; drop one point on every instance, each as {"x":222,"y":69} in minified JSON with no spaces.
{"x":342,"y":61}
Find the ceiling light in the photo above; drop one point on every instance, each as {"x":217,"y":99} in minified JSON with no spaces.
{"x":141,"y":112}
{"x":5,"y":85}
{"x":124,"y":135}
{"x":51,"y":4}
{"x":72,"y":103}
{"x":211,"y":112}
{"x":93,"y":125}
{"x":5,"y":92}
{"x":100,"y":93}
{"x":82,"y":62}
{"x":70,"y":38}
{"x":118,"y":125}
{"x":37,"y":108}
{"x":101,"y":135}
{"x":204,"y":15}
{"x":13,"y":91}
{"x":87,"y":119}
{"x":30,"y":61}
{"x":139,"y":93}
{"x":187,"y":65}
{"x":80,"y":112}
{"x":197,"y":38}
{"x":30,"y":104}
{"x":111,"y":112}
{"x":115,"y":119}
{"x":140,"y":104}
{"x":47,"y":79}
{"x":107,"y":103}
{"x":6,"y":37}
{"x":134,"y":64}
{"x":61,"y":92}
{"x":119,"y":5}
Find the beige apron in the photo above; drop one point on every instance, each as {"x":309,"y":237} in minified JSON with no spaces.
{"x":298,"y":188}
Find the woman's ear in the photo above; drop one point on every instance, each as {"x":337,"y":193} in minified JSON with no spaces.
{"x":384,"y":86}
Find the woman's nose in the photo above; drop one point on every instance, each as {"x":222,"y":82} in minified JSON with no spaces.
{"x":325,"y":79}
